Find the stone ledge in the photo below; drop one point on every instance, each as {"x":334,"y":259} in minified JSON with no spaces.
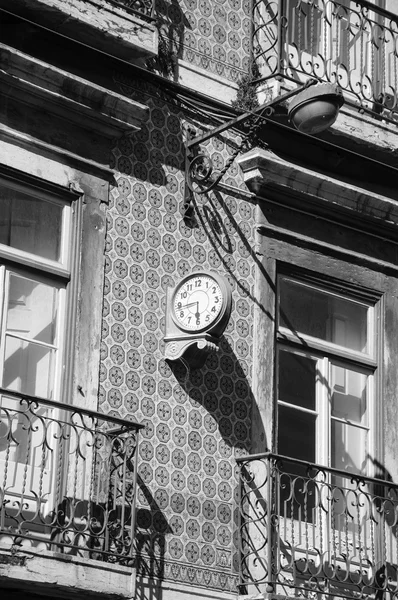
{"x":62,"y":110}
{"x":264,"y":171}
{"x":114,"y":113}
{"x":63,"y":576}
{"x":96,"y":23}
{"x":206,"y":82}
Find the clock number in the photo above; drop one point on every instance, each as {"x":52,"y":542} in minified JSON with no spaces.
{"x":179,"y":304}
{"x":214,"y":290}
{"x":182,"y":314}
{"x":183,"y":295}
{"x":213,"y":309}
{"x":198,"y":283}
{"x":197,"y":321}
{"x":207,"y":318}
{"x":216,"y":299}
{"x":189,"y":320}
{"x":189,"y":286}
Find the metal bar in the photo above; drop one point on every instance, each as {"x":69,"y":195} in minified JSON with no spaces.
{"x":89,"y":506}
{"x":316,"y":466}
{"x":242,"y":118}
{"x":71,"y":408}
{"x":308,"y":502}
{"x":348,"y":28}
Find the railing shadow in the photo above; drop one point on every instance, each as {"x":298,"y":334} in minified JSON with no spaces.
{"x":150,"y":545}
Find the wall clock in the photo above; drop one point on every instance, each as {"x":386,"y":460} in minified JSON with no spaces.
{"x":198,"y":310}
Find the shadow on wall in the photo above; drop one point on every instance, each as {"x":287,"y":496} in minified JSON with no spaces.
{"x":223,"y":389}
{"x":171,"y":23}
{"x":150,"y":543}
{"x":209,"y":218}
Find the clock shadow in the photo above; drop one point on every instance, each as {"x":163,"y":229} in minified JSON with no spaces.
{"x":222,"y":388}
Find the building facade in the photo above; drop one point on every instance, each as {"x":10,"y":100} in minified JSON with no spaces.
{"x":158,"y":440}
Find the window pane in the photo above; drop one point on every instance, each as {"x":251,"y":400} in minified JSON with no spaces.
{"x":304,"y":29}
{"x":296,"y":433}
{"x":28,"y":367}
{"x":296,"y":379}
{"x":349,"y":391}
{"x":30,"y":224}
{"x":32,"y":309}
{"x":322,"y":315}
{"x":348,"y":402}
{"x":349,"y":447}
{"x":296,"y":438}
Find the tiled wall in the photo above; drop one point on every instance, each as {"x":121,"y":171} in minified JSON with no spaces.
{"x":197,"y":422}
{"x":213,"y":35}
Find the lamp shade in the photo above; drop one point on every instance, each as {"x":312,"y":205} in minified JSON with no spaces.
{"x":316,"y":108}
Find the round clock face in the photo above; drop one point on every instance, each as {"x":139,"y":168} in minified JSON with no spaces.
{"x":197,"y":302}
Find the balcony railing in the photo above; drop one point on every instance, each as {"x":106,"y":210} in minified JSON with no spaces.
{"x":308,"y":530}
{"x":67,"y":479}
{"x":142,"y":8}
{"x":351,"y":42}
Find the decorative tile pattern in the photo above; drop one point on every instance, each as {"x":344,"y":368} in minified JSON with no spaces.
{"x":214,"y":36}
{"x":195,"y":423}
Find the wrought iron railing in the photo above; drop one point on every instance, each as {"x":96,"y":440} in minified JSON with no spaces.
{"x":67,"y":479}
{"x":307,"y":530}
{"x":350,"y":42}
{"x":143,"y":8}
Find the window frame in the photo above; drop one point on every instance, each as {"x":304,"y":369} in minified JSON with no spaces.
{"x":330,"y":353}
{"x":62,"y":273}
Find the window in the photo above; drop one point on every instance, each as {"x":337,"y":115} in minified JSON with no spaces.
{"x":34,"y":274}
{"x":326,"y":364}
{"x":35,"y":258}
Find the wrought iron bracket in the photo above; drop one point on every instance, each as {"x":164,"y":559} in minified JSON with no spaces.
{"x":200,"y":175}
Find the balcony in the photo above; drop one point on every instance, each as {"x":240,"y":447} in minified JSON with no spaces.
{"x":353,"y":43}
{"x":309,"y":530}
{"x":67,"y":480}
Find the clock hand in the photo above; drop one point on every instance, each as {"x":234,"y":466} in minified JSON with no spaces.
{"x":197,"y":314}
{"x":190,"y":304}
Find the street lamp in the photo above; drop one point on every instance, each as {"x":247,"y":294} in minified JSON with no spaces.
{"x":316,"y":108}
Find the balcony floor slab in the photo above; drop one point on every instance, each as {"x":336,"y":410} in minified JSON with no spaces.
{"x":63,"y":576}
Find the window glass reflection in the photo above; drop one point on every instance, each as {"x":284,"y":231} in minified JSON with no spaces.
{"x":323,"y":315}
{"x":32,"y":309}
{"x":28,"y":367}
{"x":30,"y":224}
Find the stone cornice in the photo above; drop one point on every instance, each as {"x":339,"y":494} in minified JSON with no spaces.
{"x":82,"y":99}
{"x":269,"y":176}
{"x":62,"y":110}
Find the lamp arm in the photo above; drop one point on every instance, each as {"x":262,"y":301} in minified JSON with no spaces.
{"x":199,"y":166}
{"x":252,"y":113}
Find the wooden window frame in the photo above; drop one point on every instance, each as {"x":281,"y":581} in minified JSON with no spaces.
{"x":331,"y":353}
{"x":63,"y":273}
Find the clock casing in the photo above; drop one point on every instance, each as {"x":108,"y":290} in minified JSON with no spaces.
{"x":199,"y":303}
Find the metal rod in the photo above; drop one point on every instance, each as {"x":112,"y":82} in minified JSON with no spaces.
{"x":71,"y":408}
{"x":242,"y":118}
